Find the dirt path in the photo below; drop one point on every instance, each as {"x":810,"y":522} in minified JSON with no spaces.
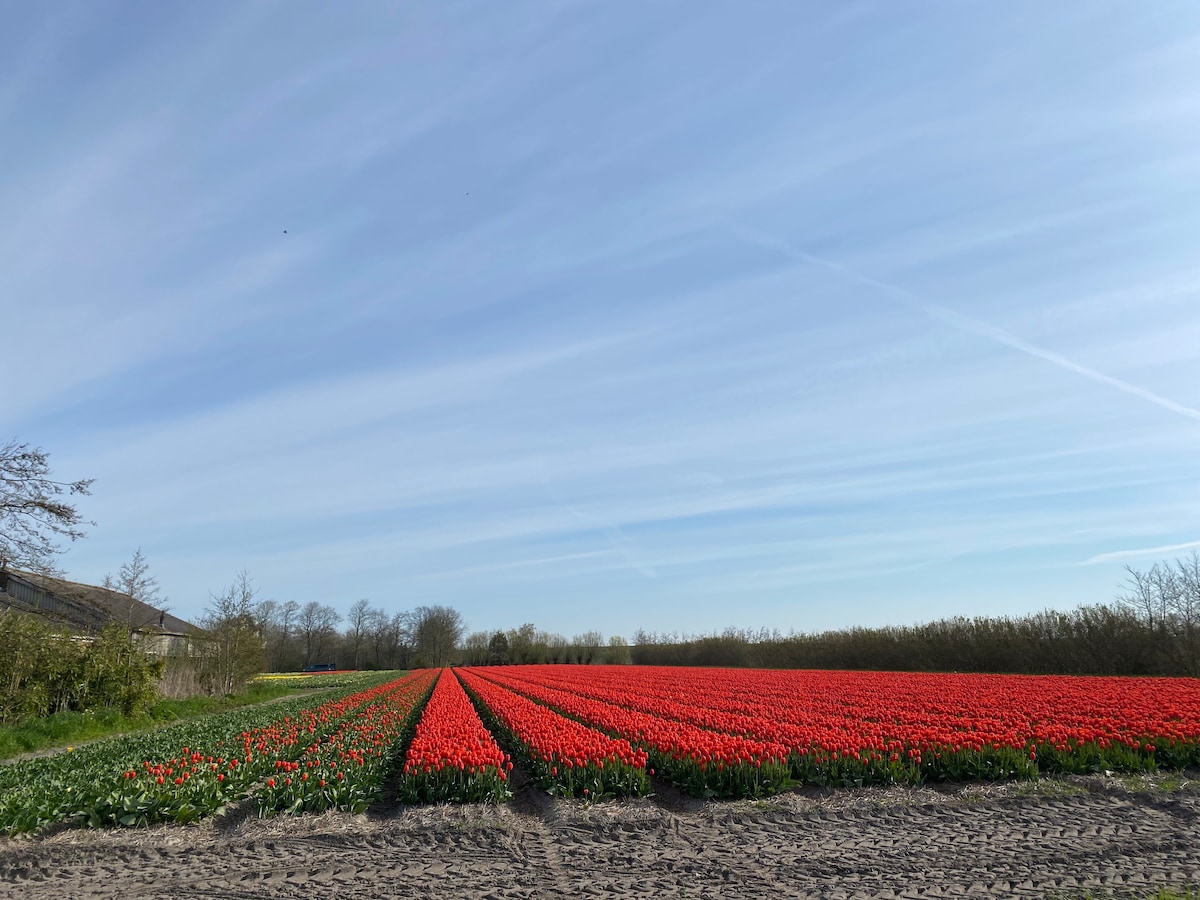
{"x":1012,"y":841}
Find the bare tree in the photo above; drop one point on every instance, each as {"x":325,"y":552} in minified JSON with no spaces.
{"x":1167,"y":599}
{"x":388,"y":638}
{"x":558,"y":647}
{"x":438,"y":630}
{"x":359,"y":621}
{"x":475,"y":649}
{"x":278,"y":624}
{"x":377,"y":623}
{"x":234,"y":645}
{"x":521,"y":644}
{"x":402,"y":637}
{"x":289,"y":617}
{"x":586,"y":647}
{"x":135,"y":582}
{"x":34,"y":510}
{"x":617,"y":653}
{"x":1147,"y":594}
{"x":317,"y":626}
{"x":265,"y":613}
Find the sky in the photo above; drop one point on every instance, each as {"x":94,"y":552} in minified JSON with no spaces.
{"x":600,"y":315}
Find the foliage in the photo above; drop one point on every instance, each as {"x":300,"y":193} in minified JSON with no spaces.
{"x":706,"y":730}
{"x":233,"y":651}
{"x":44,"y":670}
{"x":34,"y":509}
{"x":604,"y":731}
{"x":566,"y":757}
{"x":118,"y":674}
{"x":1152,"y":629}
{"x":497,"y":649}
{"x":1090,"y":640}
{"x":295,"y":636}
{"x":67,"y":727}
{"x":453,"y":758}
{"x":180,"y":773}
{"x":323,"y":681}
{"x":38,"y":667}
{"x":347,"y":769}
{"x":436,"y":632}
{"x":618,"y":652}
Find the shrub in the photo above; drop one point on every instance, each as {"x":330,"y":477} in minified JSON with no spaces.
{"x":44,"y":670}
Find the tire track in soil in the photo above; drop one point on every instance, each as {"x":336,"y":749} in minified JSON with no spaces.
{"x":1104,"y":841}
{"x":536,"y":844}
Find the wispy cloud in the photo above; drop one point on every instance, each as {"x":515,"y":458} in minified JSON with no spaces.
{"x":1140,"y":553}
{"x":964,"y":322}
{"x":511,"y":354}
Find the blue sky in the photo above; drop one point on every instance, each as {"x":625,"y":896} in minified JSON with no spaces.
{"x":603,"y":315}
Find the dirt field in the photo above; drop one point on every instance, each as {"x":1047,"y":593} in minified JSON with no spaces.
{"x":1056,"y":839}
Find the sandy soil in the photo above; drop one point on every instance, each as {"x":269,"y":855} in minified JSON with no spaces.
{"x":1056,"y":838}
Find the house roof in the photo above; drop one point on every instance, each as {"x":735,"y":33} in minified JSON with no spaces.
{"x":114,"y":605}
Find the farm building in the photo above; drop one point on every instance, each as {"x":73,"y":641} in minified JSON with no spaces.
{"x":86,"y":609}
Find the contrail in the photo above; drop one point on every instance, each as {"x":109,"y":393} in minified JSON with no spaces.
{"x":1145,"y":551}
{"x":965,"y":323}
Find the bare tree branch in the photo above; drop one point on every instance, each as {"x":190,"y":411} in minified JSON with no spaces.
{"x":34,"y":509}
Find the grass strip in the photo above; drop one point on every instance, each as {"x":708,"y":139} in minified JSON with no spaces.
{"x":65,"y":729}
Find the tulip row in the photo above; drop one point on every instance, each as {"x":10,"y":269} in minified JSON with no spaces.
{"x":346,"y":769}
{"x":886,"y":727}
{"x":453,"y":757}
{"x":209,"y":784}
{"x":320,"y":681}
{"x":698,"y":760}
{"x":565,"y":757}
{"x":180,"y":773}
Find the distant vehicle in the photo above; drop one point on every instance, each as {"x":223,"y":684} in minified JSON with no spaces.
{"x":321,"y":667}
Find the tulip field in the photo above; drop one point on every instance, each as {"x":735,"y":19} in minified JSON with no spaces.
{"x":596,"y":732}
{"x":745,"y":732}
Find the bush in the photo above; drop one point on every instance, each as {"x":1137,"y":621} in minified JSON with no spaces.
{"x":119,"y":675}
{"x":44,"y":670}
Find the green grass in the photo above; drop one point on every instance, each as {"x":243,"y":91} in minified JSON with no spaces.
{"x":66,"y":728}
{"x":1158,"y":783}
{"x":1049,"y":787}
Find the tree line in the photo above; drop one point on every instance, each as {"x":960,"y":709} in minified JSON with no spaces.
{"x":1092,"y":640}
{"x":528,"y":645}
{"x":1152,"y":628}
{"x":296,"y":635}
